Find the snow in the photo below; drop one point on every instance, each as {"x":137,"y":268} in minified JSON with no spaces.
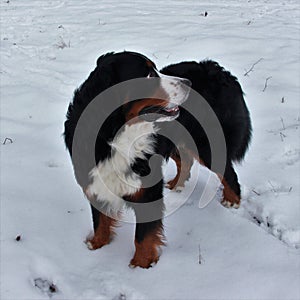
{"x":47,"y":49}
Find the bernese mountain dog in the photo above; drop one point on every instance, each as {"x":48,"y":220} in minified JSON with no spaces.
{"x":123,"y":171}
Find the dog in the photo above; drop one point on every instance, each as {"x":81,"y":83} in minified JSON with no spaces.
{"x":122,"y":153}
{"x":222,"y":91}
{"x":130,"y":136}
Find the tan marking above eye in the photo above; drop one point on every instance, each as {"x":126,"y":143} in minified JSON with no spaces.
{"x":150,"y":64}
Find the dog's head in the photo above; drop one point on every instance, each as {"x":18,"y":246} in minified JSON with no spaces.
{"x":166,"y":92}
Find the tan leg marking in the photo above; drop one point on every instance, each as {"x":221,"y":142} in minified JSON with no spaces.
{"x":103,"y":234}
{"x":230,"y":198}
{"x":147,"y":252}
{"x":183,"y":164}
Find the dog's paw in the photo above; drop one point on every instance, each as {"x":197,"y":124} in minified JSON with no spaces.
{"x":230,"y":198}
{"x":179,"y":189}
{"x":90,"y":245}
{"x":229,"y":204}
{"x":144,"y":263}
{"x":94,"y":244}
{"x":171,"y":185}
{"x":145,"y":256}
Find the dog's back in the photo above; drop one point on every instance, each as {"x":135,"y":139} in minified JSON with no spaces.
{"x":224,"y":94}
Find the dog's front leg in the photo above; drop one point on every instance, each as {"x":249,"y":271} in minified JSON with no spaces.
{"x":148,"y":239}
{"x":103,"y":230}
{"x":148,"y":207}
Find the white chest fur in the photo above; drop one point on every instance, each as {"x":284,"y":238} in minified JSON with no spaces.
{"x":113,"y":178}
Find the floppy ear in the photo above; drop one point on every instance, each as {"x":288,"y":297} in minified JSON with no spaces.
{"x":99,"y":80}
{"x":103,"y":57}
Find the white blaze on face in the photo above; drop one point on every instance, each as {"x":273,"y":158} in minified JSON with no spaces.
{"x":175,"y":88}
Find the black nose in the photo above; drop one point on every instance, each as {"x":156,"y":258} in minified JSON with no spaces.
{"x":186,"y":82}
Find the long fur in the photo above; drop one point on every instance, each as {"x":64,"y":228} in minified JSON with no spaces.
{"x":123,"y":151}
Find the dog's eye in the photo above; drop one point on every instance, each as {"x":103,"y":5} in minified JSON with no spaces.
{"x":152,"y":73}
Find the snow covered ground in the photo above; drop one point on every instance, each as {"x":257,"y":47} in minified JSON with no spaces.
{"x":47,"y":49}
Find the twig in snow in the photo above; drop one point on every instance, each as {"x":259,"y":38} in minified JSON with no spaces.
{"x":252,"y":67}
{"x":7,"y":140}
{"x":200,"y":258}
{"x":62,"y":44}
{"x":256,"y":220}
{"x":154,"y":55}
{"x":204,"y":14}
{"x":255,"y":192}
{"x":266,"y":83}
{"x":272,"y":186}
{"x":282,"y":100}
{"x":282,"y":136}
{"x":283,"y":127}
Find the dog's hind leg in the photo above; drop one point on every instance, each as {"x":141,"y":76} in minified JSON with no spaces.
{"x":184,"y":162}
{"x":232,"y":190}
